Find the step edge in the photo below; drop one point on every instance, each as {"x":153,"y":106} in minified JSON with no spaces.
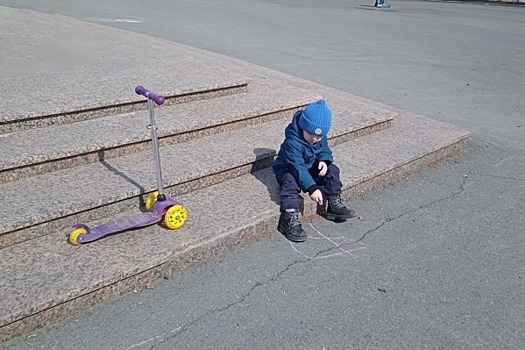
{"x":92,"y":111}
{"x":336,"y":139}
{"x":165,"y":134}
{"x":452,"y":149}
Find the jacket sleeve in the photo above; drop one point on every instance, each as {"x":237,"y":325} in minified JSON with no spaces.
{"x":326,"y":153}
{"x":293,"y":155}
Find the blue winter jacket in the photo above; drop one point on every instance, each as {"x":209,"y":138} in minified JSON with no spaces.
{"x":297,"y":156}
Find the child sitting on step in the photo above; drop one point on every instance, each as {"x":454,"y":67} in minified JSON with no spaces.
{"x":305,"y":163}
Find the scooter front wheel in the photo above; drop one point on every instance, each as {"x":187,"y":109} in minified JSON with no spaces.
{"x":175,"y":217}
{"x":75,"y":235}
{"x":150,"y":202}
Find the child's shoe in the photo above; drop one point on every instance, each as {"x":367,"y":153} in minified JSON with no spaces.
{"x":337,"y":210}
{"x":290,"y":226}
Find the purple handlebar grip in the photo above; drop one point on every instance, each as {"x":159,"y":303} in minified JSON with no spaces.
{"x":140,"y":90}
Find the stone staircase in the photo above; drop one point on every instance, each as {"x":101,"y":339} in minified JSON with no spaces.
{"x":88,"y":159}
{"x":216,"y":150}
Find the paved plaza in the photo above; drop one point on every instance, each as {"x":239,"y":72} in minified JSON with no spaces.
{"x":436,"y":261}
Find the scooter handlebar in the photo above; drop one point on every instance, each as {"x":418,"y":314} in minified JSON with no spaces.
{"x":159,"y":100}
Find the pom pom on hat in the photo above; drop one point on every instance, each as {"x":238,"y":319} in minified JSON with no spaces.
{"x":316,"y":118}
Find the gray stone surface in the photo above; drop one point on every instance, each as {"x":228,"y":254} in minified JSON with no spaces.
{"x":44,"y":58}
{"x":45,"y":286}
{"x":445,"y":246}
{"x":53,"y":148}
{"x":115,"y":180}
{"x":50,"y":277}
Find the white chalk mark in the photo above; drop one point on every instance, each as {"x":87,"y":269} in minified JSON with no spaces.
{"x":314,"y":257}
{"x":332,"y":240}
{"x":325,"y":256}
{"x":156,"y":338}
{"x":112,"y":20}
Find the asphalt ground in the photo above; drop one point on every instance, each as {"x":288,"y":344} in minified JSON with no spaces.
{"x":437,"y":262}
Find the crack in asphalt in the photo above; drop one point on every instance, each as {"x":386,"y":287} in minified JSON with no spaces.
{"x":240,"y":300}
{"x":388,"y":219}
{"x":490,"y":144}
{"x":454,"y":194}
{"x":183,"y":328}
{"x":502,"y":177}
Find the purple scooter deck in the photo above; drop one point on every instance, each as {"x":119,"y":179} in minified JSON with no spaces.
{"x":122,"y":224}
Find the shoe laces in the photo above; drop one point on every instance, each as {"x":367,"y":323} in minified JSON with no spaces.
{"x":337,"y":202}
{"x":294,"y":219}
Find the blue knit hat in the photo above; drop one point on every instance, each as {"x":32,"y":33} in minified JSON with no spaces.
{"x":316,"y":118}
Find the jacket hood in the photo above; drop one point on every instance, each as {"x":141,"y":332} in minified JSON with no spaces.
{"x":294,"y":131}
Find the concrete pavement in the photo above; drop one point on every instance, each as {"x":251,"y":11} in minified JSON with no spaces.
{"x":438,"y":262}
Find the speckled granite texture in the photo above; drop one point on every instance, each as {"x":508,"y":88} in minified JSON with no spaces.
{"x":43,"y":279}
{"x":112,"y":181}
{"x":41,"y":150}
{"x":105,"y":68}
{"x":76,"y":115}
{"x":49,"y":278}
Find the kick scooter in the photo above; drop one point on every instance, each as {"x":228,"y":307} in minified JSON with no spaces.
{"x":158,"y":205}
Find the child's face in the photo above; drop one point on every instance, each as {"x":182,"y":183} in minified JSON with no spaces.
{"x":311,"y":138}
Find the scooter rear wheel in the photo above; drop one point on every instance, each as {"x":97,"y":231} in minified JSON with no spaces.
{"x":175,"y":217}
{"x":150,"y":202}
{"x":75,"y":235}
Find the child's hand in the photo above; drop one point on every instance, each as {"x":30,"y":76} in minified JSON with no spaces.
{"x":323,"y":168}
{"x":317,"y":196}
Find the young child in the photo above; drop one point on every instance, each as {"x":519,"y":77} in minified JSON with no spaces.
{"x":305,"y":163}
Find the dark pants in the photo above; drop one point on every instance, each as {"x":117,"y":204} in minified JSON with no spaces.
{"x":290,"y":199}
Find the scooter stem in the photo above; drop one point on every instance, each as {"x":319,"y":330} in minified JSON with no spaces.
{"x":155,"y":142}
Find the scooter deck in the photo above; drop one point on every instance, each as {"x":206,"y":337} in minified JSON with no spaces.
{"x":125,"y":223}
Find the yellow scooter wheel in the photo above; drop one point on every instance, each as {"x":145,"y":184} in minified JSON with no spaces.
{"x":75,"y":235}
{"x":150,"y":202}
{"x":176,"y":217}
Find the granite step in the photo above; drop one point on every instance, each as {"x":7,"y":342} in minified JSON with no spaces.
{"x":74,"y":112}
{"x":66,"y":197}
{"x":38,"y":151}
{"x":105,"y":94}
{"x":46,"y":280}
